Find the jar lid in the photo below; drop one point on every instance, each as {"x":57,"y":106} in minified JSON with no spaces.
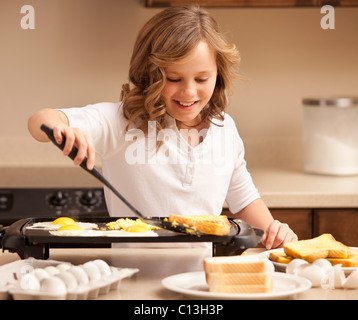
{"x":340,"y":102}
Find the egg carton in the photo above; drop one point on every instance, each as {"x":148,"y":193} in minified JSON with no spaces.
{"x":11,"y":273}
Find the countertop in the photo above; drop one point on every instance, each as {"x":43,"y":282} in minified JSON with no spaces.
{"x":290,"y":187}
{"x":279,"y":186}
{"x":155,"y":264}
{"x":276,"y":166}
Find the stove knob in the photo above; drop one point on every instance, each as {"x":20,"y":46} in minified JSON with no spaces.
{"x":88,"y":198}
{"x":58,"y":199}
{"x":6,"y":202}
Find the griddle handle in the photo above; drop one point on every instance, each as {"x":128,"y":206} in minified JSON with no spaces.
{"x":259,"y":233}
{"x":94,"y":172}
{"x":15,"y":241}
{"x":248,"y":236}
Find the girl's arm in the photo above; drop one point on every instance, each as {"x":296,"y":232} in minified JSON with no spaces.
{"x":276,"y":233}
{"x":57,"y":120}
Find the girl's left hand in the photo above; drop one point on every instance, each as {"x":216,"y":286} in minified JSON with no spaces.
{"x":277,"y":234}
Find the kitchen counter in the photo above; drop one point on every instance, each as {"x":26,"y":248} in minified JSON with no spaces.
{"x":275,"y":165}
{"x":277,"y":170}
{"x":156,"y":264}
{"x":290,"y":187}
{"x":279,"y":186}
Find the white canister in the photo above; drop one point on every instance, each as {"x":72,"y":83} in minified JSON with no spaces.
{"x":330,"y":135}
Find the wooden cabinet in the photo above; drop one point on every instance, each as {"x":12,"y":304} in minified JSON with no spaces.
{"x":309,"y":223}
{"x":341,"y":223}
{"x":299,"y":220}
{"x":253,"y":3}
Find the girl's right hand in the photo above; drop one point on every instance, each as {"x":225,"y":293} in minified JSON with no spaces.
{"x":78,"y":138}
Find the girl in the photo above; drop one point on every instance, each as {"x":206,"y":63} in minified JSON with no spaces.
{"x":168,"y":145}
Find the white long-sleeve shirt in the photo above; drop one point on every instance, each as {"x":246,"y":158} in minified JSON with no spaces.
{"x":176,"y":179}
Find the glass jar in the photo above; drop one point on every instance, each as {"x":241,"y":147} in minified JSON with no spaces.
{"x":330,"y":135}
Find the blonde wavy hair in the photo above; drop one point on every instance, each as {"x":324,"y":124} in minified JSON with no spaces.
{"x":167,"y":38}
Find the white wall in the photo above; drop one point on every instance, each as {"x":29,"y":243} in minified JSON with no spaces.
{"x":80,"y":50}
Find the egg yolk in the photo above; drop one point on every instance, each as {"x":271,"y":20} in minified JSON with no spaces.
{"x":139,"y":227}
{"x":71,"y":227}
{"x":64,"y":221}
{"x":130,"y":225}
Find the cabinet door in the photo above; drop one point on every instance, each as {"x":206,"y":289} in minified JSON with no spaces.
{"x":299,"y":220}
{"x":341,"y":223}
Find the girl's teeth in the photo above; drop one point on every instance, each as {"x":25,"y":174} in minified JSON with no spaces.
{"x":185,"y":104}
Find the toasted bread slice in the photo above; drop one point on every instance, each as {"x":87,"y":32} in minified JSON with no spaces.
{"x":280,"y":257}
{"x":324,"y":246}
{"x":351,"y":261}
{"x":216,"y":225}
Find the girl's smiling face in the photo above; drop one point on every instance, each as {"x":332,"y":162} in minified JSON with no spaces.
{"x":190,"y":85}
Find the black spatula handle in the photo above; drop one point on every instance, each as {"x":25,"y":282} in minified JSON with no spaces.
{"x":72,"y":154}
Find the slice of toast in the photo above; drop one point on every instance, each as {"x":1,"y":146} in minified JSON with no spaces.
{"x":324,"y":246}
{"x":216,"y":225}
{"x":351,"y":261}
{"x":280,"y":257}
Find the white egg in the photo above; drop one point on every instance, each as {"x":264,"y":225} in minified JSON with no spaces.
{"x":53,"y":285}
{"x":311,"y":272}
{"x":80,"y":275}
{"x":51,"y":270}
{"x":92,"y":271}
{"x":324,"y":264}
{"x":103,"y":267}
{"x":63,"y":266}
{"x":69,"y":279}
{"x":40,"y":274}
{"x":26,"y":268}
{"x":29,"y":282}
{"x":351,"y":281}
{"x":294,"y":264}
{"x":269,"y":267}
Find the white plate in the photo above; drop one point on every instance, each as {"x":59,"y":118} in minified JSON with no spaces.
{"x":193,"y":284}
{"x":282,"y":266}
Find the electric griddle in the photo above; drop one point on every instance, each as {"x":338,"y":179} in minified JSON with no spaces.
{"x":28,"y":242}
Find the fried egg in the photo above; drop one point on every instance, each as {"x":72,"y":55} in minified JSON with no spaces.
{"x":130,"y":225}
{"x":76,"y":233}
{"x":123,"y":227}
{"x":63,"y":222}
{"x":71,"y":227}
{"x":138,"y":228}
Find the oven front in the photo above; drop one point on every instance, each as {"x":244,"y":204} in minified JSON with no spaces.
{"x":19,"y":203}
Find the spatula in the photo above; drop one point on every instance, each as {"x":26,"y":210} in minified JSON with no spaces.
{"x":155,"y":221}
